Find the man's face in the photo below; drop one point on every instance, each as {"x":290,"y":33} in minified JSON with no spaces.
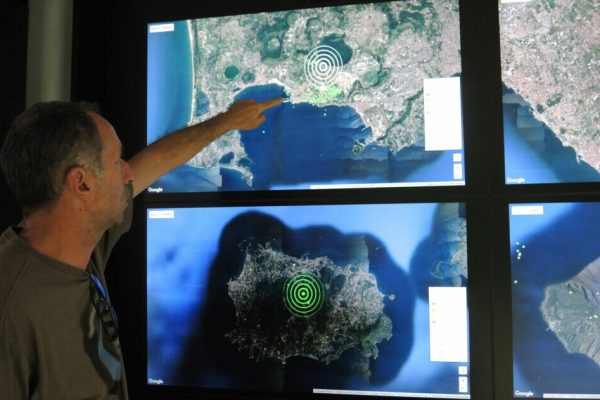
{"x":111,"y":184}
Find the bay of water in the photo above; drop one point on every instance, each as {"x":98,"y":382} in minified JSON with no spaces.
{"x":304,"y":144}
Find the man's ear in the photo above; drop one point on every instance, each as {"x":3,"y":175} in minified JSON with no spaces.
{"x":78,"y":181}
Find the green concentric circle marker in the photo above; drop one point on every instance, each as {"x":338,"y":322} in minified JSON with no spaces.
{"x":303,"y":294}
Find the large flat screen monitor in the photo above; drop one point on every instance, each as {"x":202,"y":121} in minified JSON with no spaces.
{"x":311,"y":300}
{"x":551,"y":90}
{"x":555,"y":263}
{"x":372,"y":93}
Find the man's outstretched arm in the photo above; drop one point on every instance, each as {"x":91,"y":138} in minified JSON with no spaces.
{"x":172,"y":150}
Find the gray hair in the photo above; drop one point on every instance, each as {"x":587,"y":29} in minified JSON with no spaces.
{"x":43,"y":144}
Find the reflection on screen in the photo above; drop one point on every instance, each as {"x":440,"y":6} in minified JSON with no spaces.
{"x":373,"y":96}
{"x":550,"y":61}
{"x":352,"y":300}
{"x":555,"y":259}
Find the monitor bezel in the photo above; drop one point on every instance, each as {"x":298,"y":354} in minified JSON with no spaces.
{"x":477,"y":291}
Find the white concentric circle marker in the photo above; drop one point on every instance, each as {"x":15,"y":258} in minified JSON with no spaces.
{"x":322,"y":65}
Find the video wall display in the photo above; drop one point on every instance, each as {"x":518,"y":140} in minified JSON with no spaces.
{"x":365,"y":299}
{"x":373,"y":96}
{"x":555,"y":264}
{"x":551,"y":90}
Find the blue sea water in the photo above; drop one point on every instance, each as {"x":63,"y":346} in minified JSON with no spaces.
{"x":304,"y":144}
{"x":555,"y":247}
{"x":169,"y":81}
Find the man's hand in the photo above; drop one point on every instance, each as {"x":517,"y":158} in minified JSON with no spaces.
{"x":247,"y":114}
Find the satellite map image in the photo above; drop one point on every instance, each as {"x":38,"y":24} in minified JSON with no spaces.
{"x":556,"y":292}
{"x":303,"y":298}
{"x":550,"y":63}
{"x":355,"y":80}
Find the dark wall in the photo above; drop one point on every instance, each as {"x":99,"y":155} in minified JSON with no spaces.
{"x":13,"y":56}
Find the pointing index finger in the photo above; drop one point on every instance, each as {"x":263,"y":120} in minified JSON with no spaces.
{"x":265,"y":105}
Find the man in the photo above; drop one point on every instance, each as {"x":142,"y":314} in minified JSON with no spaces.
{"x":58,"y":334}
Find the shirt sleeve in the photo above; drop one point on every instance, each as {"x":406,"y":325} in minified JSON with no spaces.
{"x":15,"y":373}
{"x":112,"y":235}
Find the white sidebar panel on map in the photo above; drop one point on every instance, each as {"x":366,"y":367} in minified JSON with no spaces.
{"x":448,"y":324}
{"x":443,"y":114}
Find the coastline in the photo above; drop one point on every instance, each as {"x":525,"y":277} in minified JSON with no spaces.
{"x":192,"y":59}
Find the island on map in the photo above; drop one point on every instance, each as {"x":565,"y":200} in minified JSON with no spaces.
{"x":351,"y":314}
{"x":572,"y":311}
{"x":300,"y":308}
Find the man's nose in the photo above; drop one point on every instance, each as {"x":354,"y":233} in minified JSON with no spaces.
{"x":126,"y":171}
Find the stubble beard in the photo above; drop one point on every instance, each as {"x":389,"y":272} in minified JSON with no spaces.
{"x":113,"y":214}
